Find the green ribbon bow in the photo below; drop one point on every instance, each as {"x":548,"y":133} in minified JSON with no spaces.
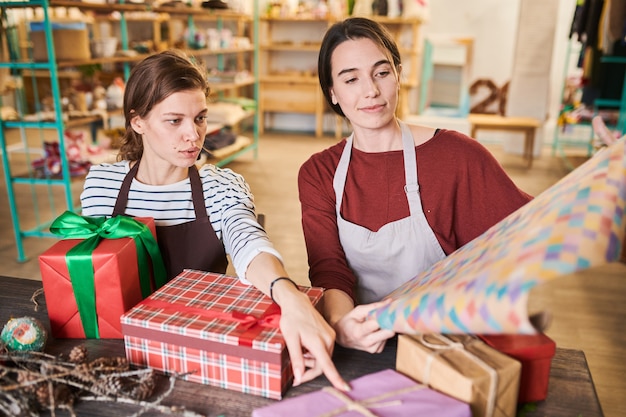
{"x":70,"y":225}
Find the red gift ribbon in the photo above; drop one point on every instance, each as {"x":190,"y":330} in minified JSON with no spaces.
{"x":249,"y":325}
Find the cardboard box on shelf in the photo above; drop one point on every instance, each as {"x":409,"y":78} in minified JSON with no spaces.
{"x":70,"y":40}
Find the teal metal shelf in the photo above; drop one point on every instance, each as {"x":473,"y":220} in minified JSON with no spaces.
{"x":19,"y":186}
{"x":17,"y":68}
{"x":621,"y":104}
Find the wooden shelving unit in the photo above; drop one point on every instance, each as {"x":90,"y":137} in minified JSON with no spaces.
{"x":289,"y":50}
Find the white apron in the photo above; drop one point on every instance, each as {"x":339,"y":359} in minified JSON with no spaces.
{"x":386,"y":259}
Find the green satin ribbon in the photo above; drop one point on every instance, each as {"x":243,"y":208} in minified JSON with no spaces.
{"x":70,"y":225}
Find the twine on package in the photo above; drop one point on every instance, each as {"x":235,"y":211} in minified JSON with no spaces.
{"x":449,"y":345}
{"x":361,"y":406}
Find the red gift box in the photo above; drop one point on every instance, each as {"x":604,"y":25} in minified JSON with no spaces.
{"x":116,"y":281}
{"x":215,"y":330}
{"x":535,"y":352}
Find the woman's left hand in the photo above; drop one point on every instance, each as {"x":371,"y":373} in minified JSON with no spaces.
{"x":310,"y":341}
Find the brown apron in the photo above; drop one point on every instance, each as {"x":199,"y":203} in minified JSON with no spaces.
{"x":192,"y":245}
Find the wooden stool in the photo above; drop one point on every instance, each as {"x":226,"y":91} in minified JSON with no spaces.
{"x":525,"y":125}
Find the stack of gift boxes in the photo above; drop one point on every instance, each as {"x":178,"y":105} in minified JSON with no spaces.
{"x":466,"y":346}
{"x":215,"y":330}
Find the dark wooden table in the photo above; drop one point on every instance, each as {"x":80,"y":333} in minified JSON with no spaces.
{"x":571,"y":390}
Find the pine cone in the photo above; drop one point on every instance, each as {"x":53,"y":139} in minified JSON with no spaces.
{"x":78,"y":354}
{"x":145,"y":387}
{"x":42,"y":394}
{"x":111,"y":385}
{"x":82,"y":373}
{"x":63,"y":395}
{"x":25,"y":379}
{"x":109,"y":364}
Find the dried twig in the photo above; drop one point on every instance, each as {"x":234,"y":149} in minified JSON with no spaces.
{"x":33,"y":298}
{"x":33,"y":381}
{"x":151,"y":405}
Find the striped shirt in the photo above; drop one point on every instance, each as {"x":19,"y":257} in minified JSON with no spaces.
{"x":228,"y":200}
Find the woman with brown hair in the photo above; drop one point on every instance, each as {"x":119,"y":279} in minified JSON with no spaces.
{"x":200,"y":215}
{"x":393,"y":198}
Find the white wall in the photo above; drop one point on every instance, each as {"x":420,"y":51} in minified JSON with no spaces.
{"x":493,"y":25}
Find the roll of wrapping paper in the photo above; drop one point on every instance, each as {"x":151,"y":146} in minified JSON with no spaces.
{"x":483,"y":287}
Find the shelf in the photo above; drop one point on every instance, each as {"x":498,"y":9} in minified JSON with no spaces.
{"x":221,"y":51}
{"x":290,"y":79}
{"x":204,"y":14}
{"x":220,"y":87}
{"x":296,"y":19}
{"x":240,"y":143}
{"x":108,"y":7}
{"x":103,"y":60}
{"x":291,"y":47}
{"x":142,"y":16}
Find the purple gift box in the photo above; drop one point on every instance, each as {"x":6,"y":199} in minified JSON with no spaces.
{"x":383,"y":394}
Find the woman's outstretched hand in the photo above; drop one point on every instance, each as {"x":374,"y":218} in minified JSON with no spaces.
{"x":310,"y":341}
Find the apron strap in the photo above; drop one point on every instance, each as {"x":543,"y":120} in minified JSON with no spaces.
{"x":411,"y":186}
{"x":341,"y":173}
{"x":197,"y":193}
{"x":122,"y":197}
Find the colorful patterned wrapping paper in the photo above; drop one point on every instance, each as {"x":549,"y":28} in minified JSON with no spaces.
{"x":483,"y":287}
{"x":214,"y":330}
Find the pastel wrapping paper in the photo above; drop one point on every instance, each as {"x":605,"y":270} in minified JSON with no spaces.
{"x":464,"y":368}
{"x":483,"y":287}
{"x":116,"y":283}
{"x":214,"y":330}
{"x":382,"y":394}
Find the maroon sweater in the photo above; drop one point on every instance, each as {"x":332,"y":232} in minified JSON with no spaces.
{"x":464,"y":191}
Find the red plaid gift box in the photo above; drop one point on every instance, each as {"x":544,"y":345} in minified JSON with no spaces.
{"x":212,"y":329}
